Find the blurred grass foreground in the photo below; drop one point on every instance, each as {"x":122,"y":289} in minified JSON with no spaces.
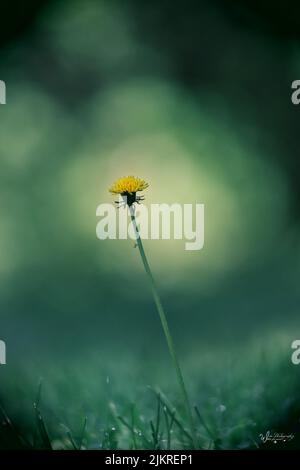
{"x":89,"y":405}
{"x":98,"y":89}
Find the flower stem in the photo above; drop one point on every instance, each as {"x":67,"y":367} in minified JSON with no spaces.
{"x":165,"y":327}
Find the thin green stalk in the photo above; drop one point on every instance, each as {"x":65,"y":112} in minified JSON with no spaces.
{"x":165,"y":327}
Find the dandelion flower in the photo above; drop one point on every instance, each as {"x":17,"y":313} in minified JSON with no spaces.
{"x":128,"y":186}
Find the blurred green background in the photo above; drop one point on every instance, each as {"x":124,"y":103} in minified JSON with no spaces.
{"x":195,"y":99}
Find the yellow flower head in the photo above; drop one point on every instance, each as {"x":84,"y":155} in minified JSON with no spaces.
{"x":128,"y":186}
